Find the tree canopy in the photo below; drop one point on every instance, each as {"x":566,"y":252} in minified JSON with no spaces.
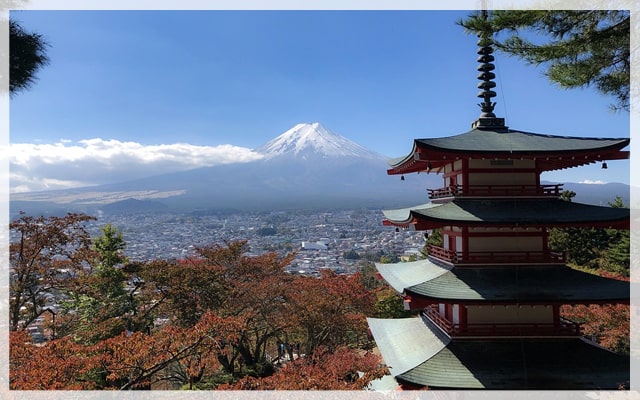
{"x":597,"y":249}
{"x":45,"y":253}
{"x":579,"y":48}
{"x":27,"y":54}
{"x":212,"y":321}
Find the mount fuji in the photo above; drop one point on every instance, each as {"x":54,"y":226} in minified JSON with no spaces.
{"x":308,"y":141}
{"x":306,"y":167}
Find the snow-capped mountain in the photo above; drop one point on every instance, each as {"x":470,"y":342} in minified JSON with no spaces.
{"x":307,"y":166}
{"x":314,"y":140}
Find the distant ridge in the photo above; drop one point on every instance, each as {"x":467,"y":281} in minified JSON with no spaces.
{"x":599,"y":194}
{"x":306,"y":167}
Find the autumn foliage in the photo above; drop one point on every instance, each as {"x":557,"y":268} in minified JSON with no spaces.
{"x":131,"y":360}
{"x":41,"y":250}
{"x":211,"y":321}
{"x":607,"y":324}
{"x":341,"y":369}
{"x":61,"y":364}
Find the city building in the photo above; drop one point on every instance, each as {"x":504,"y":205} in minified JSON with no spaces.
{"x":490,"y":295}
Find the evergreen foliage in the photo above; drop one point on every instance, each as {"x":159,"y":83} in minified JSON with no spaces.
{"x":27,"y":54}
{"x":98,"y":306}
{"x":579,"y":48}
{"x":596,"y":249}
{"x":390,"y":305}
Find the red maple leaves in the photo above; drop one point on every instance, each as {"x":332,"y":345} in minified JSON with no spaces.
{"x":222,"y":315}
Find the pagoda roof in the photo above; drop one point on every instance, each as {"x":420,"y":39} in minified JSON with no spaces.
{"x":405,"y":343}
{"x":431,"y":280}
{"x":407,"y":274}
{"x":539,"y":212}
{"x":552,"y":152}
{"x":514,"y":284}
{"x":505,"y":363}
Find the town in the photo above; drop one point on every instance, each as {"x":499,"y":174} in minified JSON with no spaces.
{"x":321,"y":239}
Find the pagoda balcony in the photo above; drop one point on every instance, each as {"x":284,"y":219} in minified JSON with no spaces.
{"x":563,"y":328}
{"x":495,"y":257}
{"x":496,"y":191}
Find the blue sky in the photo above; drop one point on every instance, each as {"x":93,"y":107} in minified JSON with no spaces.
{"x":179,"y":89}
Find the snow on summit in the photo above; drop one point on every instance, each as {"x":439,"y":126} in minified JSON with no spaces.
{"x":305,"y":140}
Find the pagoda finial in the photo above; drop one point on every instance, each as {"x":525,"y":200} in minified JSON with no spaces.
{"x":485,"y":51}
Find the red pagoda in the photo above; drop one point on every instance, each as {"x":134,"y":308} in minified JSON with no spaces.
{"x":490,"y":296}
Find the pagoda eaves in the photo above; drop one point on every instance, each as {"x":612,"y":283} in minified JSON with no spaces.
{"x":550,"y":152}
{"x":419,"y":354}
{"x":434,"y":282}
{"x":509,"y":212}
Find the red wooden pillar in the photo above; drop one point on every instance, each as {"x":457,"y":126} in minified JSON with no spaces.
{"x":462,"y":309}
{"x":465,"y":176}
{"x":465,"y":242}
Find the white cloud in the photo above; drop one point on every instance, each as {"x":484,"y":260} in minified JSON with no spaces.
{"x":67,"y":164}
{"x":589,"y":182}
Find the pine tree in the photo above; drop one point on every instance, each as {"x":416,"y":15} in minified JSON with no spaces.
{"x":99,"y":305}
{"x":27,"y":54}
{"x":580,"y":48}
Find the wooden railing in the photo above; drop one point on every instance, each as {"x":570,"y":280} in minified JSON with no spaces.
{"x":496,"y":257}
{"x":564,"y":328}
{"x":496,"y":191}
{"x":432,"y":313}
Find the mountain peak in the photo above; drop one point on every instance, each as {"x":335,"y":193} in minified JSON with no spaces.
{"x":313,"y":140}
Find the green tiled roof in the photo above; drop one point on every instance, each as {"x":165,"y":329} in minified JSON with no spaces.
{"x":405,"y":343}
{"x":521,"y":284}
{"x":417,"y":352}
{"x":512,"y":211}
{"x":405,"y":274}
{"x":510,"y":140}
{"x":514,"y":364}
{"x":404,"y":214}
{"x":551,"y":152}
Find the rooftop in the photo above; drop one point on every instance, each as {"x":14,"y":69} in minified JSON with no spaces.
{"x":551,"y":212}
{"x":501,"y":284}
{"x":417,"y":353}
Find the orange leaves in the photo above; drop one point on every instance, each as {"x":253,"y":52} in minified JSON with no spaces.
{"x":134,"y":360}
{"x":344,"y":369}
{"x":248,"y":292}
{"x":221,"y":315}
{"x":40,"y":250}
{"x":608,"y":324}
{"x":218,"y":331}
{"x":185,"y":290}
{"x":329,"y":309}
{"x":60,"y":364}
{"x":127,"y":361}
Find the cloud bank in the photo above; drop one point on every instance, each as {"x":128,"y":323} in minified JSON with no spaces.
{"x":66,"y":164}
